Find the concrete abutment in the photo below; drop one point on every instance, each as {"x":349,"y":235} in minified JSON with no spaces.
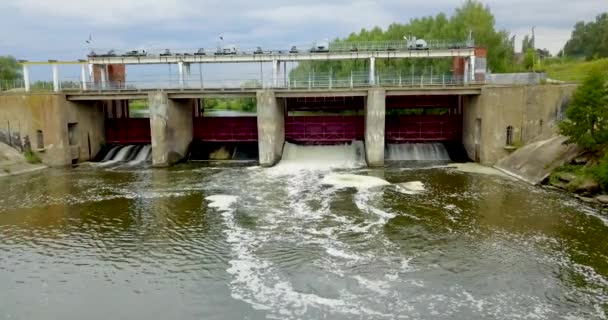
{"x":271,"y":127}
{"x":171,"y":128}
{"x":375,"y":110}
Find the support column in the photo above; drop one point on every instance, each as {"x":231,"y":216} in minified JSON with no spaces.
{"x":55,"y":77}
{"x":103,"y":73}
{"x":83,"y":76}
{"x":276,"y":68}
{"x":180,"y":71}
{"x":271,"y":128}
{"x":375,"y":110}
{"x":26,"y":77}
{"x":472,"y":68}
{"x":372,"y":71}
{"x":171,"y":128}
{"x":466,"y":75}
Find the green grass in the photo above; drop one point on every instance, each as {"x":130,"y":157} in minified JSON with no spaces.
{"x":575,"y":70}
{"x":31,"y":157}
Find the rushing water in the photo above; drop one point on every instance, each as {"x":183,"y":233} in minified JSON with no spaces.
{"x":194,"y":242}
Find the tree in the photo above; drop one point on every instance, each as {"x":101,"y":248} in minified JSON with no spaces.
{"x":589,"y":40}
{"x":9,"y":68}
{"x":472,"y":17}
{"x":587,"y":116}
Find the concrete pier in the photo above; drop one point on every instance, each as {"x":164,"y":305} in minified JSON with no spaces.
{"x":171,"y":128}
{"x":271,"y":128}
{"x":375,"y":111}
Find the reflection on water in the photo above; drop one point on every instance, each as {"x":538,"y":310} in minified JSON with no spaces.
{"x":252,"y":243}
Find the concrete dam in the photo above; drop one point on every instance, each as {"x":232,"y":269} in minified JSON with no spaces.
{"x":391,"y":123}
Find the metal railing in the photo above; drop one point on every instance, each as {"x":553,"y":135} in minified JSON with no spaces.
{"x":296,"y":82}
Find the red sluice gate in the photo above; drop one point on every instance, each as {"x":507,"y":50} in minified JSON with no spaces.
{"x":122,"y":129}
{"x":225,"y":129}
{"x":324,"y":129}
{"x":423,"y":128}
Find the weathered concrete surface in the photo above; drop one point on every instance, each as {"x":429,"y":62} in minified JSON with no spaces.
{"x":22,"y":116}
{"x":171,"y":128}
{"x":535,"y":162}
{"x":271,"y":128}
{"x":12,"y":162}
{"x":375,"y":110}
{"x":40,"y":123}
{"x":532,"y":111}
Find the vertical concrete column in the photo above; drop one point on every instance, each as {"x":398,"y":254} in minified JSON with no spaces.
{"x":83,"y":76}
{"x":375,"y":110}
{"x":26,"y":77}
{"x":472,"y":68}
{"x":276,"y":65}
{"x":271,"y":128}
{"x":467,"y":73}
{"x":372,"y":71}
{"x":103,"y":73}
{"x":171,"y":128}
{"x":55,"y":77}
{"x":180,"y":71}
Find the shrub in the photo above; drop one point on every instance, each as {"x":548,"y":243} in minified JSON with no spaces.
{"x":31,"y":157}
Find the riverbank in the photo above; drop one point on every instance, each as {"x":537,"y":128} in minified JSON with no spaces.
{"x":14,"y":163}
{"x":582,"y":178}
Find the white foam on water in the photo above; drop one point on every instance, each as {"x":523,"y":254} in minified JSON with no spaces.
{"x":342,"y":254}
{"x":412,"y":187}
{"x":417,"y":152}
{"x":353,"y":181}
{"x":221,"y":201}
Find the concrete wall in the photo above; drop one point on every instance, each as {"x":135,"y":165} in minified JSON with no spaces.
{"x":22,"y":116}
{"x":171,"y":128}
{"x":532,"y":111}
{"x":89,"y":134}
{"x":271,"y":127}
{"x":375,"y":110}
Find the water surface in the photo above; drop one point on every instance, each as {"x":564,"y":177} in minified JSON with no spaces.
{"x":194,"y":242}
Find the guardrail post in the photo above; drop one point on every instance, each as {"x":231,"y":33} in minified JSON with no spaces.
{"x":421,"y":80}
{"x":330,"y":81}
{"x":400,"y":83}
{"x":351,"y":79}
{"x":309,"y":81}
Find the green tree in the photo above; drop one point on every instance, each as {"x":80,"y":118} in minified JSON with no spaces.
{"x":471,"y":17}
{"x":9,"y":68}
{"x":589,"y":40}
{"x":587,"y":115}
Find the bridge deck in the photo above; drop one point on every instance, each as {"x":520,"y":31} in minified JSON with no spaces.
{"x":280,"y":93}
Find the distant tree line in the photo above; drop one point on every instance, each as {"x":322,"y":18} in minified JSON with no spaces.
{"x":589,"y":40}
{"x":9,"y":68}
{"x":472,"y":17}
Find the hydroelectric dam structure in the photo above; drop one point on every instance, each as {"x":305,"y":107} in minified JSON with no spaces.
{"x":72,"y":121}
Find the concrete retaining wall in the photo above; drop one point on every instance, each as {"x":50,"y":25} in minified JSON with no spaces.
{"x":532,"y":111}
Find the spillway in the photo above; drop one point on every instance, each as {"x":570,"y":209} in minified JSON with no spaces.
{"x":323,"y":156}
{"x":131,"y":155}
{"x":417,"y":152}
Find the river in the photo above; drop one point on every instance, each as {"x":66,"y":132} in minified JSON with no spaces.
{"x":196,"y":242}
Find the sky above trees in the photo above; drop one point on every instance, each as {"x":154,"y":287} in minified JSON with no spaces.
{"x":33,"y":29}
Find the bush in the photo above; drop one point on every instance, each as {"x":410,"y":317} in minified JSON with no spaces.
{"x":600,"y":173}
{"x":31,"y":157}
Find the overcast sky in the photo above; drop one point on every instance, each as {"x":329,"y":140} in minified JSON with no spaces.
{"x":57,"y":29}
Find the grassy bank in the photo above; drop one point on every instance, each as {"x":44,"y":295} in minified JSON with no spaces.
{"x":574,"y":70}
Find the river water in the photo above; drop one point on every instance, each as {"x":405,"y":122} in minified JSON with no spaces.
{"x":195,"y":242}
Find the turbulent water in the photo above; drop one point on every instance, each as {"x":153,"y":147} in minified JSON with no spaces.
{"x":195,"y":242}
{"x":417,"y":152}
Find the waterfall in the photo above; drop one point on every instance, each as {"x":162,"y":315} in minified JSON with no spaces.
{"x":417,"y":152}
{"x":122,"y":155}
{"x":141,"y":156}
{"x":323,"y":157}
{"x":111,"y":153}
